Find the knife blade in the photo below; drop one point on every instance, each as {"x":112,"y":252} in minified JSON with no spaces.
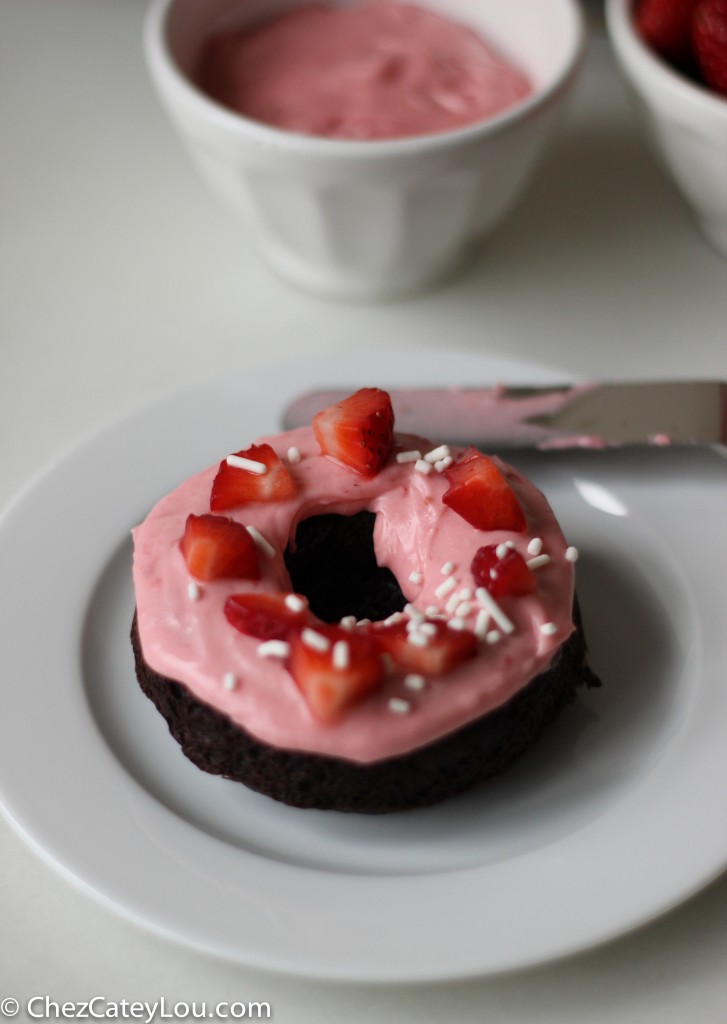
{"x":591,"y":415}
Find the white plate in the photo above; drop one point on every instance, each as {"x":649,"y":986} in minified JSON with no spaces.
{"x":617,"y":815}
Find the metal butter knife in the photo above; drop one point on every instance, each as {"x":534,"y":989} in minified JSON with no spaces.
{"x":579,"y":415}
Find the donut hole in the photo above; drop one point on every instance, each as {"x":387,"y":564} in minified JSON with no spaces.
{"x":333,"y":564}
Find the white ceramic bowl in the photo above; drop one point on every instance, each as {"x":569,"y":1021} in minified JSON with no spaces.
{"x":687,"y":123}
{"x":372,"y":219}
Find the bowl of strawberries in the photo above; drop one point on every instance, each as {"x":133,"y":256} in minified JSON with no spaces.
{"x":673,"y":53}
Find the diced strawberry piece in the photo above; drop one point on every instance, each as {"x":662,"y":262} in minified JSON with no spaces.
{"x":215,"y":547}
{"x":709,"y":41}
{"x":332,"y":680}
{"x":502,"y":577}
{"x":265,"y":616}
{"x":479,"y":493}
{"x":359,"y":431}
{"x":665,"y":25}
{"x":234,"y":486}
{"x":441,"y":650}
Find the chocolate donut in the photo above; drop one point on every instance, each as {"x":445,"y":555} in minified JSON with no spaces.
{"x":396,"y":626}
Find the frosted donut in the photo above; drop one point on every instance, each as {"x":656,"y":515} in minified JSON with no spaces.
{"x":339,"y":545}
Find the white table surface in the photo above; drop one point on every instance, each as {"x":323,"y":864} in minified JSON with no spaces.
{"x":122,"y":280}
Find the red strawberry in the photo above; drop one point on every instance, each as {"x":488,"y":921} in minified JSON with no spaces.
{"x":234,"y":486}
{"x":502,"y":577}
{"x":332,"y":679}
{"x":215,"y":547}
{"x":359,"y":431}
{"x":666,"y":26}
{"x":440,"y":650}
{"x":480,"y":494}
{"x":265,"y":616}
{"x":709,"y":41}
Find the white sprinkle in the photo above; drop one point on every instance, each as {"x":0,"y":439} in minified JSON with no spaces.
{"x":432,"y":610}
{"x":428,"y":629}
{"x":535,"y":546}
{"x":445,"y":588}
{"x":443,"y":464}
{"x":251,"y":465}
{"x":416,"y":577}
{"x":364,"y":622}
{"x":486,"y":599}
{"x":413,"y":612}
{"x":193,"y":591}
{"x":538,"y":562}
{"x":348,"y":622}
{"x":463,"y":610}
{"x":493,"y":636}
{"x":447,"y":569}
{"x":403,"y":457}
{"x":316,"y":641}
{"x":437,"y":454}
{"x":418,"y":639}
{"x":295,"y":603}
{"x":457,"y":624}
{"x":393,"y":618}
{"x":341,"y":654}
{"x":457,"y":599}
{"x":548,"y":628}
{"x":229,"y":681}
{"x":262,"y":542}
{"x":571,"y":554}
{"x":481,"y":623}
{"x":274,"y":649}
{"x":415,"y":682}
{"x":399,"y":706}
{"x":423,"y":467}
{"x":501,"y":550}
{"x":293,"y":456}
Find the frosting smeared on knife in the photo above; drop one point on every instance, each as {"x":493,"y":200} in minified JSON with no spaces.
{"x":588,"y":415}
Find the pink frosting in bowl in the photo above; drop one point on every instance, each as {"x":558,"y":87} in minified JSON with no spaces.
{"x":369,"y":218}
{"x":370,"y":71}
{"x":185,"y":636}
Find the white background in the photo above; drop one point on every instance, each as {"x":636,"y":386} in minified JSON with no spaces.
{"x":122,"y":280}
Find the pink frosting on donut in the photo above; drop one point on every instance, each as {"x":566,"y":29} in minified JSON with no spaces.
{"x":415,"y":533}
